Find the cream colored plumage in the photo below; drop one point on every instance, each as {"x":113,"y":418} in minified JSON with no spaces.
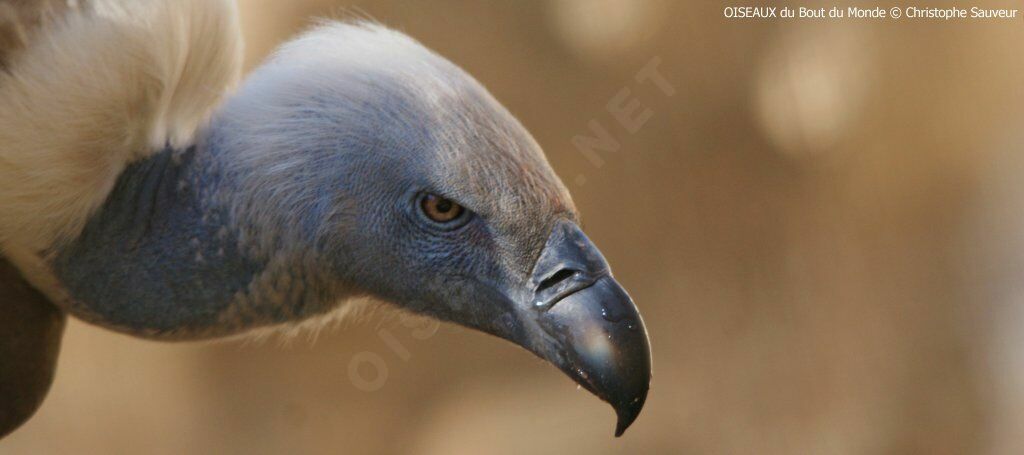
{"x":94,"y":91}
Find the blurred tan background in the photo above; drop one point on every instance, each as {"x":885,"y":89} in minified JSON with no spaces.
{"x":823,"y":227}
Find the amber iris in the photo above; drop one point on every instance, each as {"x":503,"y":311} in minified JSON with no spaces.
{"x":440,"y":209}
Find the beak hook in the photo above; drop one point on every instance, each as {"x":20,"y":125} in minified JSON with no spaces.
{"x":601,"y":341}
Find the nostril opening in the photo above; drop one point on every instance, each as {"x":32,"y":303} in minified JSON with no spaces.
{"x":552,"y":280}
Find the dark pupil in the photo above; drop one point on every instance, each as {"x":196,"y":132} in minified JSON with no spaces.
{"x":444,"y":205}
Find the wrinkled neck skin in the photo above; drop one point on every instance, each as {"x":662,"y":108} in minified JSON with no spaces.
{"x":163,"y":258}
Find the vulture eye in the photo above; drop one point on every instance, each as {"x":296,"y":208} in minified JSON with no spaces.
{"x":440,"y":209}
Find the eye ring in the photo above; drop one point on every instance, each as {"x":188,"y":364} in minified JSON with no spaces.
{"x":441,"y":210}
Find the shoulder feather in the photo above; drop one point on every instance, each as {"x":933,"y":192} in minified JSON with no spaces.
{"x":20,"y":18}
{"x":96,"y":90}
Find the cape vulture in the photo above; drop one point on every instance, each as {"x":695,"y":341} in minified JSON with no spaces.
{"x":141,"y":192}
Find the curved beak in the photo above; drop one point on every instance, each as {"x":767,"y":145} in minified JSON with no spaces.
{"x":587,"y":325}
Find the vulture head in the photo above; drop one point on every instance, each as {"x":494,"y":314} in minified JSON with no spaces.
{"x":403,"y":178}
{"x":355,"y":162}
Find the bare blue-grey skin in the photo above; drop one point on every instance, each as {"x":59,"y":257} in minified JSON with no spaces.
{"x":305,"y":191}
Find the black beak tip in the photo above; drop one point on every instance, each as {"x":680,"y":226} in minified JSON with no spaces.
{"x":604,"y":345}
{"x":594,"y":332}
{"x":628,"y":412}
{"x":632,"y":394}
{"x":620,"y":428}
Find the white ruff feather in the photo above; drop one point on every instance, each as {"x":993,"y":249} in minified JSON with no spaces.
{"x":96,"y":91}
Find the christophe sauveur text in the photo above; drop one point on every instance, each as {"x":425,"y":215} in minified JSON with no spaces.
{"x":853,"y":12}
